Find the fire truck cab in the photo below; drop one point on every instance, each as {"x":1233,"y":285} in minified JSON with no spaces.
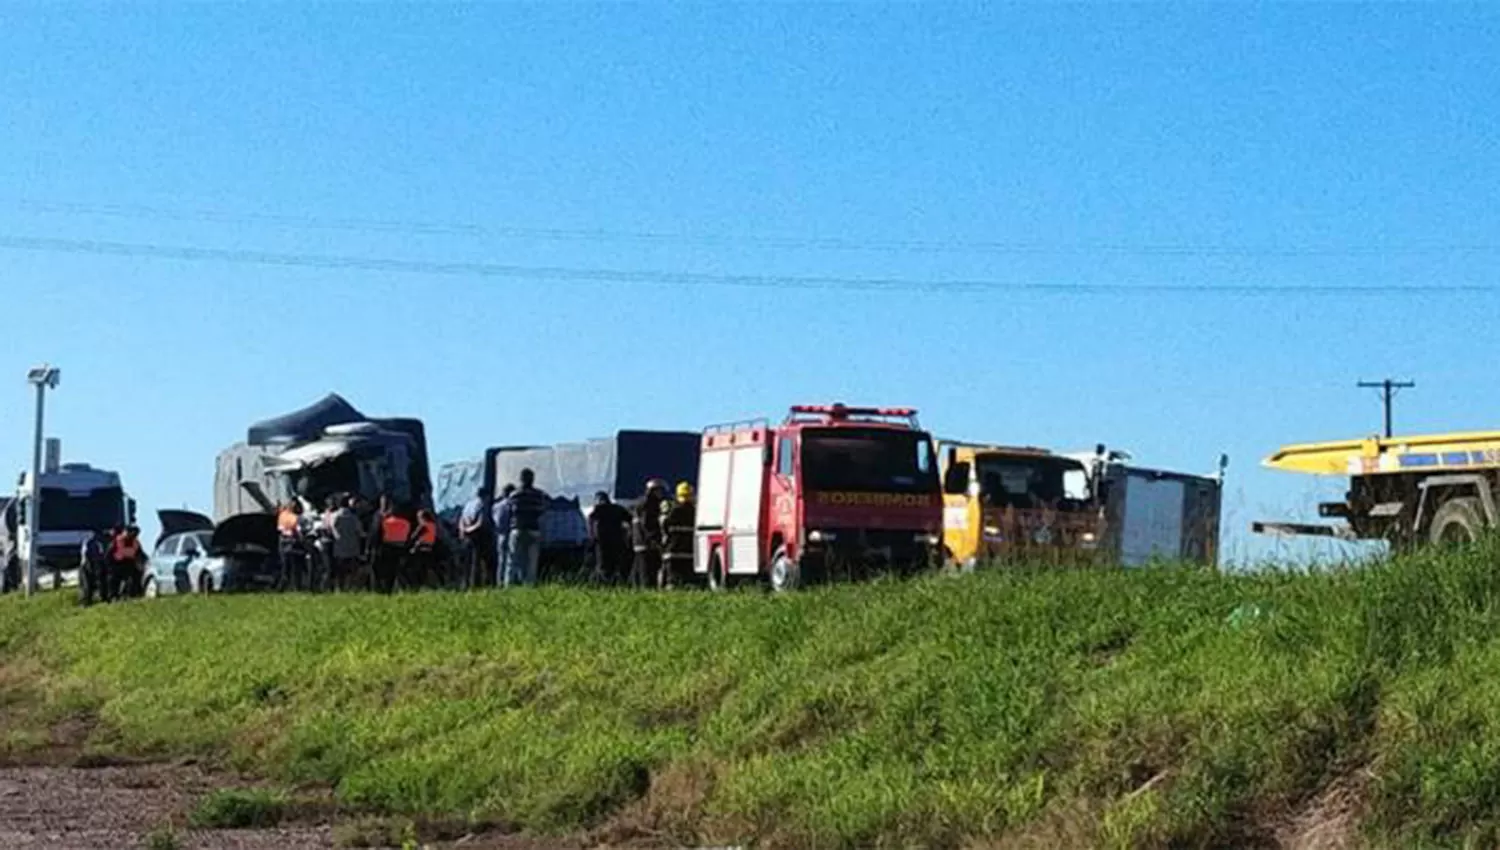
{"x":831,"y":492}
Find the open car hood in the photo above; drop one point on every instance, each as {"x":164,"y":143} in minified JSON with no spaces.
{"x":176,"y":522}
{"x":237,"y":532}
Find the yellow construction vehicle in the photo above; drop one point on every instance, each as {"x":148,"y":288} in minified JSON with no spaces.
{"x":1435,"y":488}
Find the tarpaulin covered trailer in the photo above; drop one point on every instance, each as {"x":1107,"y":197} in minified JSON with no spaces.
{"x":618,"y":465}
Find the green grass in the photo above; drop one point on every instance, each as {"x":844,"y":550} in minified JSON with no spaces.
{"x":1020,"y":709}
{"x":239,"y":809}
{"x":162,"y":838}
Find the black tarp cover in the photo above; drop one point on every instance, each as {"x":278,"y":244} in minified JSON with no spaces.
{"x":305,"y":424}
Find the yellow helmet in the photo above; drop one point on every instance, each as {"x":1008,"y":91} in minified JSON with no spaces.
{"x":684,"y":491}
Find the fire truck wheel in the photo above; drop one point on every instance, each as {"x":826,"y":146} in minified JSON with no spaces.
{"x":785,"y":574}
{"x":1457,"y":521}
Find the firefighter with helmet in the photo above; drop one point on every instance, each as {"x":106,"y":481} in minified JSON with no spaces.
{"x":646,"y":532}
{"x":678,"y":525}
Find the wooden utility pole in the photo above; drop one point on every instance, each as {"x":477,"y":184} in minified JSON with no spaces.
{"x":1388,"y":389}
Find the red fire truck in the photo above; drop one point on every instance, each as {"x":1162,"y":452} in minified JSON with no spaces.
{"x":831,"y":492}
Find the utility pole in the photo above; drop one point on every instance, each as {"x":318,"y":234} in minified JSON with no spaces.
{"x":43,"y":377}
{"x":1388,"y":389}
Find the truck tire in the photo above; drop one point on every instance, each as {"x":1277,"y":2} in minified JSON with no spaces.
{"x":786,"y":575}
{"x":1457,"y":521}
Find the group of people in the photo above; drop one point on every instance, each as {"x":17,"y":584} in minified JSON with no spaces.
{"x":651,"y":545}
{"x":111,"y":565}
{"x":345,"y":552}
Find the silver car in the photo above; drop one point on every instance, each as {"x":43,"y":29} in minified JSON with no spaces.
{"x":193,"y":555}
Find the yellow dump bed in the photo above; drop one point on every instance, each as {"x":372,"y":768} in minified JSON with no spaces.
{"x":1377,"y":455}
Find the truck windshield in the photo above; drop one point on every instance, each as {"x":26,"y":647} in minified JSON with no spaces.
{"x":64,"y":511}
{"x":868,"y":460}
{"x":1027,"y":482}
{"x":368,"y":473}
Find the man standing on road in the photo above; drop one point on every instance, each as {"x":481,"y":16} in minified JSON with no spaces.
{"x":678,"y":527}
{"x":646,"y":527}
{"x":348,"y":541}
{"x":500,"y":521}
{"x":527,"y":505}
{"x":609,"y":529}
{"x":91,"y":568}
{"x":388,"y":545}
{"x":125,"y":561}
{"x":474,"y":528}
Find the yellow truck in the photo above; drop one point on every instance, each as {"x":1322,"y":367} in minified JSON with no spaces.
{"x":1026,"y":504}
{"x":1407,"y":491}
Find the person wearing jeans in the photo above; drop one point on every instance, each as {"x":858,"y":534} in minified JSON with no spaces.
{"x":500,"y":516}
{"x":527,"y":505}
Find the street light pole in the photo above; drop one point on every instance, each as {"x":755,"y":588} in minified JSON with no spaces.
{"x":43,"y":377}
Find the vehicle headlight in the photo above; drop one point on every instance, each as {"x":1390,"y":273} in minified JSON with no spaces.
{"x":928,"y":539}
{"x":821,"y":537}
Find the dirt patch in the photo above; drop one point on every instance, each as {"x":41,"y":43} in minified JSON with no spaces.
{"x":111,"y":808}
{"x":121,"y":807}
{"x":1329,"y":820}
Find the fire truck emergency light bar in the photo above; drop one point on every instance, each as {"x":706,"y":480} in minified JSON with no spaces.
{"x":840,"y":411}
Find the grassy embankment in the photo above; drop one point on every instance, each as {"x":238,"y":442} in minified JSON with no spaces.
{"x":1112,"y":709}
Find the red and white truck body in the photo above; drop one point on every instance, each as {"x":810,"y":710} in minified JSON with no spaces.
{"x":832,"y":491}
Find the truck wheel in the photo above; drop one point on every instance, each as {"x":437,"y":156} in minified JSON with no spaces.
{"x":1457,"y":521}
{"x":717,"y":579}
{"x":786,"y":576}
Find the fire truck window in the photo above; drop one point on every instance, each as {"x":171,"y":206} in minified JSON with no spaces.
{"x":924,"y":456}
{"x":868,"y":461}
{"x":784,"y":465}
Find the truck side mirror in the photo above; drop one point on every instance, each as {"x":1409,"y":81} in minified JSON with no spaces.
{"x":956,"y":482}
{"x":130,"y":511}
{"x":765,"y":454}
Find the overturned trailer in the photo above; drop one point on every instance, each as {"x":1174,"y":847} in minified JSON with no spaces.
{"x":325,"y":449}
{"x":571,"y":473}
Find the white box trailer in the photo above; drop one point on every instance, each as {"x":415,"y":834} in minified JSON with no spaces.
{"x":1154,"y":514}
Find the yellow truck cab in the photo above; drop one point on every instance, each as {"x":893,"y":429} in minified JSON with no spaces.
{"x":1021,"y":504}
{"x":1008,"y":502}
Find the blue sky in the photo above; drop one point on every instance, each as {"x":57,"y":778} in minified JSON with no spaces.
{"x":1104,"y":147}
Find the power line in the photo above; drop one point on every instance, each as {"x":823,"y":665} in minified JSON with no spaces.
{"x":431,"y":228}
{"x":557,"y":274}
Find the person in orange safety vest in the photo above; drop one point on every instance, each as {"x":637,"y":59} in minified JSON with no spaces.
{"x":389,"y":545}
{"x":125,"y":561}
{"x":422,"y":558}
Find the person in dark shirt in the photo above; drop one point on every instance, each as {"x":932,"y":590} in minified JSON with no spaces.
{"x":609,"y":529}
{"x":646,"y":527}
{"x":527,"y":505}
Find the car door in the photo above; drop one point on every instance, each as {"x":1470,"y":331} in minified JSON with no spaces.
{"x":195,"y":560}
{"x":162,"y":570}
